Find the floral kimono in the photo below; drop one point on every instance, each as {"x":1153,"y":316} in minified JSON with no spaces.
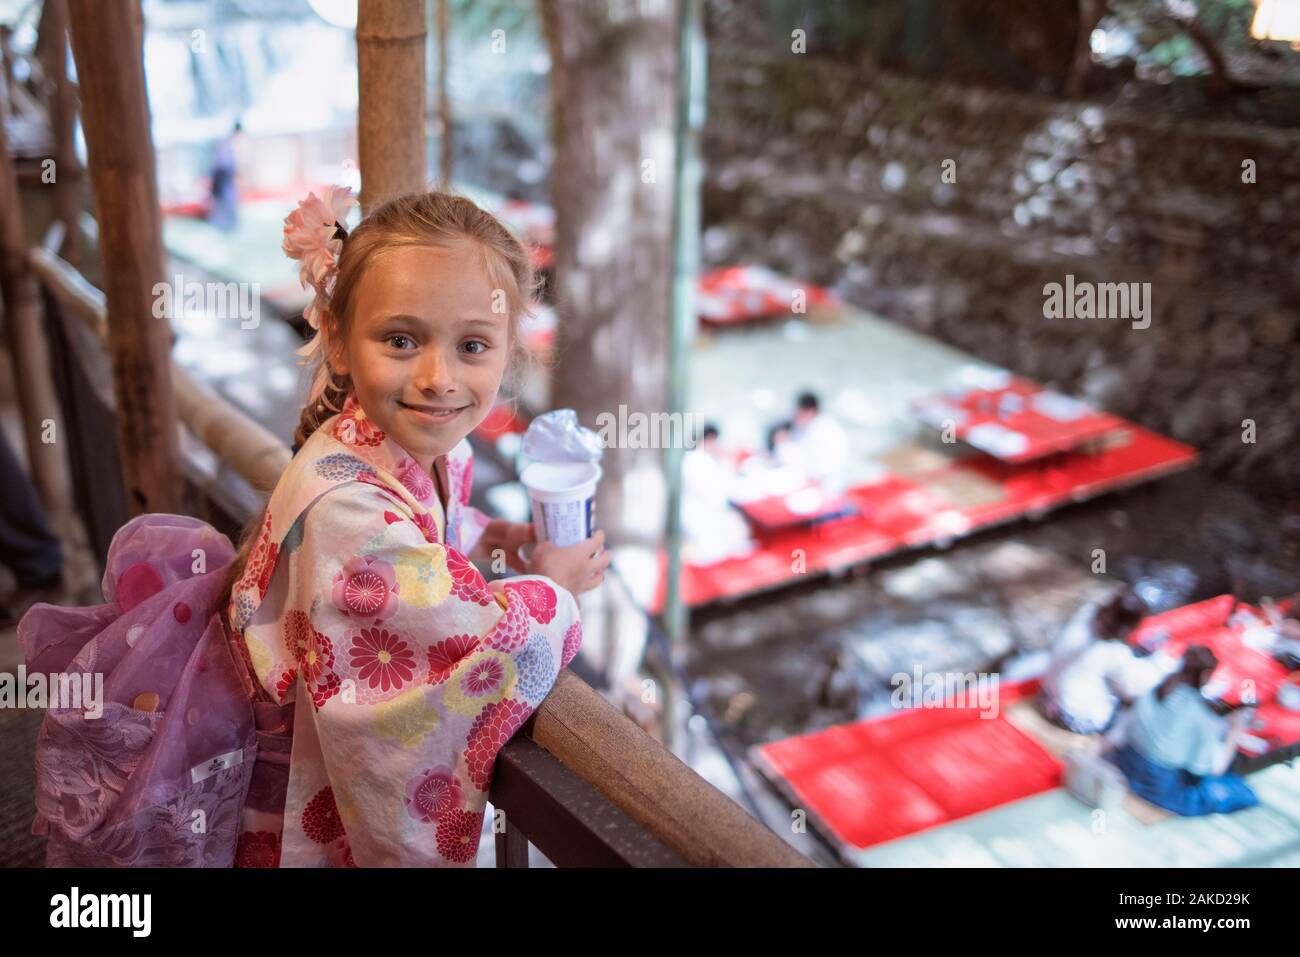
{"x":375,"y":639}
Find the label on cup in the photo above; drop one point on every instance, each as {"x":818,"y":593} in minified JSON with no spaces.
{"x":563,"y":523}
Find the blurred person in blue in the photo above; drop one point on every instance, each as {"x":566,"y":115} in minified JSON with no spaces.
{"x":224,"y":209}
{"x":1179,"y":747}
{"x":1094,"y":671}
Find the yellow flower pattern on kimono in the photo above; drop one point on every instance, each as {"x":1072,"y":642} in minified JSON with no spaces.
{"x":261,"y":658}
{"x":405,"y":719}
{"x":483,"y":680}
{"x":422,"y":577}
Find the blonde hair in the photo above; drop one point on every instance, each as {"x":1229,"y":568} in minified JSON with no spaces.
{"x":436,"y":219}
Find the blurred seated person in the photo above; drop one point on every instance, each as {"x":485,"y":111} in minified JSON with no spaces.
{"x":1094,"y":671}
{"x":712,"y":529}
{"x":821,"y":445}
{"x":1273,"y":632}
{"x":1179,"y":747}
{"x":781,"y":449}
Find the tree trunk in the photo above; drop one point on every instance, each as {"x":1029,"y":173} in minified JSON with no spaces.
{"x":107,"y":42}
{"x":391,"y":144}
{"x":612,"y":97}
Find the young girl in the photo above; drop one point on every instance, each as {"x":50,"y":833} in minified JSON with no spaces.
{"x":387,"y":673}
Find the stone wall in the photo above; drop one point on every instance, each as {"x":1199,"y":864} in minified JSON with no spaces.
{"x":835,"y":173}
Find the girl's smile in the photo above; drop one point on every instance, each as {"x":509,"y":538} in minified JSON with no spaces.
{"x":425,"y":349}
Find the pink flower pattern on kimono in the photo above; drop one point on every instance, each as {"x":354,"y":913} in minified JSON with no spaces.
{"x":353,"y":427}
{"x":424,"y":521}
{"x":495,"y":725}
{"x":447,"y":654}
{"x":416,"y":481}
{"x":511,"y":631}
{"x":458,"y":834}
{"x":538,"y":596}
{"x":432,"y":793}
{"x":383,"y":661}
{"x":572,"y":642}
{"x":317,"y":665}
{"x":320,"y":818}
{"x":366,"y":589}
{"x":466,"y":582}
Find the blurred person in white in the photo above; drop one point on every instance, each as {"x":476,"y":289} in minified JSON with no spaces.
{"x":1094,"y":671}
{"x":821,"y":445}
{"x":713,"y":529}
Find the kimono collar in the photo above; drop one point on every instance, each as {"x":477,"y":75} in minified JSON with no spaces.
{"x":364,"y":439}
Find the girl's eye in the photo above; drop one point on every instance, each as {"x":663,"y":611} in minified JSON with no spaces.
{"x":483,"y":347}
{"x":399,"y":338}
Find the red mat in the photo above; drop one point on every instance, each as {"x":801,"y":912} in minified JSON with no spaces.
{"x":1018,"y":421}
{"x":898,"y":513}
{"x":883,"y":778}
{"x":739,"y":293}
{"x":1205,"y":623}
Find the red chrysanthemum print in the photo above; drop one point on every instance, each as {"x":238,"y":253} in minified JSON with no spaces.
{"x":354,"y":427}
{"x":416,"y":480}
{"x":261,"y":562}
{"x":382,"y":659}
{"x":510,"y":633}
{"x":466,"y":582}
{"x":458,"y":834}
{"x":297,"y":633}
{"x":320,"y":818}
{"x":286,"y":681}
{"x":258,"y":849}
{"x":366,"y":589}
{"x":538,"y":596}
{"x":317,"y":664}
{"x":432,"y":793}
{"x":483,"y":677}
{"x":324,"y":689}
{"x":428,"y":526}
{"x":572,"y":642}
{"x":446,"y":654}
{"x":495,"y":725}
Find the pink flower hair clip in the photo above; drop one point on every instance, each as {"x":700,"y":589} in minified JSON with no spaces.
{"x":313,"y":235}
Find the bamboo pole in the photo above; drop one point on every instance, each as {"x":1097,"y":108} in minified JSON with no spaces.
{"x":444,"y":95}
{"x":63,"y":120}
{"x":30,"y":352}
{"x":242,"y":443}
{"x":107,"y":38}
{"x":391,"y":142}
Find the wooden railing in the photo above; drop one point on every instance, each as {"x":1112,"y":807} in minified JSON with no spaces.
{"x":582,"y":782}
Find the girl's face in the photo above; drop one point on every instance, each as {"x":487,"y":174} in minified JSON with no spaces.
{"x":424,"y":348}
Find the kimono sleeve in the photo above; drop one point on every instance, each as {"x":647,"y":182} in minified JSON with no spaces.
{"x":417,"y":675}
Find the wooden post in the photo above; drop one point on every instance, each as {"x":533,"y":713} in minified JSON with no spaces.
{"x":390,"y":110}
{"x":30,"y":352}
{"x":444,"y":97}
{"x":107,"y":44}
{"x":63,"y":120}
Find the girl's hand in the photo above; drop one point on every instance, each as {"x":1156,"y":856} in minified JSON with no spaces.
{"x":580,"y":567}
{"x":509,"y":537}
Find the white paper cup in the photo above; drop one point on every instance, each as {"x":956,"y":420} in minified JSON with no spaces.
{"x":564,"y":497}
